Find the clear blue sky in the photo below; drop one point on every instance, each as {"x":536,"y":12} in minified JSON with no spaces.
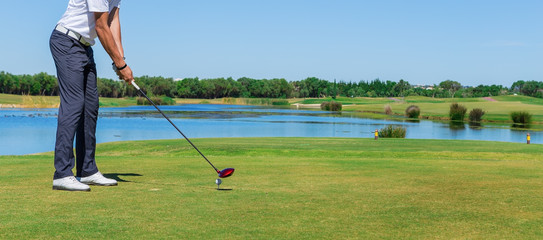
{"x":424,"y":42}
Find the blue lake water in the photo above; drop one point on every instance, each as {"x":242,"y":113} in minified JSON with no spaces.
{"x":25,"y":131}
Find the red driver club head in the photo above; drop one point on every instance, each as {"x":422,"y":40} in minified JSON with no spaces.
{"x":227,"y":172}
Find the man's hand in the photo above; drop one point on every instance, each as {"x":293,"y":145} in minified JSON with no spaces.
{"x":125,"y":74}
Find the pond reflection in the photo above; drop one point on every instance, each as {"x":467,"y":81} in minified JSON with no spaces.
{"x":412,"y":120}
{"x":520,"y":125}
{"x":475,"y":125}
{"x":457,"y":125}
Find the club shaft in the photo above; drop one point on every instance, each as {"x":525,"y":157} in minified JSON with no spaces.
{"x":188,"y":140}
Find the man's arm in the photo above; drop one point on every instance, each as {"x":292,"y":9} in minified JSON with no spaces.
{"x":107,"y":38}
{"x":115,"y":27}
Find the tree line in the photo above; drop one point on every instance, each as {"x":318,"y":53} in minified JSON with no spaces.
{"x":45,"y":84}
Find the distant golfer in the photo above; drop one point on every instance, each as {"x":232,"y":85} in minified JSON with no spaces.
{"x":70,"y":43}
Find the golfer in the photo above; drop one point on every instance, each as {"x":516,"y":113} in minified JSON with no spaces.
{"x":70,"y":43}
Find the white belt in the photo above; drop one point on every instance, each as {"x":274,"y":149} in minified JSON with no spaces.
{"x":72,"y":34}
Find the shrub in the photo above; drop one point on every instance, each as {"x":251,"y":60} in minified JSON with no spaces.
{"x":457,"y":112}
{"x":331,"y":106}
{"x":412,"y":111}
{"x":280,"y":102}
{"x":391,"y":131}
{"x":157,"y":100}
{"x":521,"y":117}
{"x":168,"y":100}
{"x":325,"y":106}
{"x":476,"y":114}
{"x":388,"y":110}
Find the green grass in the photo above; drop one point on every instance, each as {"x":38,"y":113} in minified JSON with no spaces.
{"x":498,"y":111}
{"x":522,"y":99}
{"x":26,"y":101}
{"x":438,"y":108}
{"x":117,"y":102}
{"x":285,"y":188}
{"x":10,"y":99}
{"x":419,"y":99}
{"x":346,"y":100}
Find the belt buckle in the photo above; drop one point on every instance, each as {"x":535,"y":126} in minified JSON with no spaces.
{"x":83,"y":41}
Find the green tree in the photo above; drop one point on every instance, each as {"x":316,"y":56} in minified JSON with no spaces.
{"x":517,"y":86}
{"x":188,"y":88}
{"x":530,"y":88}
{"x":401,"y":88}
{"x":35,"y":89}
{"x":48,"y":84}
{"x":450,"y":86}
{"x":333,"y":92}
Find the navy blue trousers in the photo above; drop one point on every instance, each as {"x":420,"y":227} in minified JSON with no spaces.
{"x":78,"y":111}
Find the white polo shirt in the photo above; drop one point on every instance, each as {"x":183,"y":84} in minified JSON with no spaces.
{"x":79,"y":16}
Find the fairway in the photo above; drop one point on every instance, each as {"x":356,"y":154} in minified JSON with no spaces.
{"x":285,"y":188}
{"x":498,"y":110}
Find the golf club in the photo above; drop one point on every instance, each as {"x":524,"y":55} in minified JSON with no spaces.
{"x":227,"y":172}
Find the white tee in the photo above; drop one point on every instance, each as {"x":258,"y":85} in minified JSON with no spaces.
{"x":79,"y":16}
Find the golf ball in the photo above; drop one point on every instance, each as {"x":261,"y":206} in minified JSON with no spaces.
{"x":218,"y":181}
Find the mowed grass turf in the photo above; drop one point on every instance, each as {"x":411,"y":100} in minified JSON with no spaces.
{"x":27,"y":101}
{"x":498,"y":110}
{"x":285,"y":188}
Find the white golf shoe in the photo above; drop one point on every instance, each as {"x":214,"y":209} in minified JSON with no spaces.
{"x":98,"y":179}
{"x":69,"y":184}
